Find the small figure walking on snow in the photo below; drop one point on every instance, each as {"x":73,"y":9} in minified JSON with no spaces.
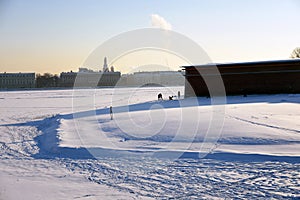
{"x":111,"y":112}
{"x":159,"y":96}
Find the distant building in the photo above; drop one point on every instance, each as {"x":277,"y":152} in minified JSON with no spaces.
{"x":85,"y":70}
{"x":262,"y":77}
{"x":67,"y":79}
{"x":17,"y":80}
{"x":153,"y":78}
{"x":89,"y":79}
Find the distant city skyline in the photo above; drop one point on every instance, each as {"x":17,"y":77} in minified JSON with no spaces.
{"x":55,"y":36}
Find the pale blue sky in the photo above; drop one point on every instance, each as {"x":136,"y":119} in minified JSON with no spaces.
{"x":57,"y":35}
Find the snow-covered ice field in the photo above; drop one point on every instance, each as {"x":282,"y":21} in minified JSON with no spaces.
{"x":62,"y":144}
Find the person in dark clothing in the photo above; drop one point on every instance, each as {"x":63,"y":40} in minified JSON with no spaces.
{"x":159,"y":96}
{"x":111,"y":112}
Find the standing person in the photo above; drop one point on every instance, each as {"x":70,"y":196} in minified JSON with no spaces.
{"x":111,"y":112}
{"x":178,"y":95}
{"x":159,"y":96}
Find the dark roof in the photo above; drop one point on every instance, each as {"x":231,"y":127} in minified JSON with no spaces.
{"x":268,"y":62}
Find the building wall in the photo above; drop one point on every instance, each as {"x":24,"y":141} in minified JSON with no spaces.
{"x":268,"y":77}
{"x":67,"y":79}
{"x":164,"y":78}
{"x":17,"y":80}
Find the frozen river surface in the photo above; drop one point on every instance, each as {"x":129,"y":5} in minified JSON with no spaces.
{"x":61,"y":144}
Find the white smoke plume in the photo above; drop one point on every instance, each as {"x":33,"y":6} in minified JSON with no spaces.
{"x":160,"y":22}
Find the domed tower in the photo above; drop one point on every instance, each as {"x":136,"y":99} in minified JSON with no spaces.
{"x":112,"y":69}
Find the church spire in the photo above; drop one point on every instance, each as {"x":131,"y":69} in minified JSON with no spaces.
{"x":105,"y":67}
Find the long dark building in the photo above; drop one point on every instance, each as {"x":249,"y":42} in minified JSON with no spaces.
{"x":89,"y":79}
{"x":17,"y":80}
{"x":263,"y":77}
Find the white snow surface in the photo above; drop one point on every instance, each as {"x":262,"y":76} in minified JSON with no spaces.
{"x":62,"y":144}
